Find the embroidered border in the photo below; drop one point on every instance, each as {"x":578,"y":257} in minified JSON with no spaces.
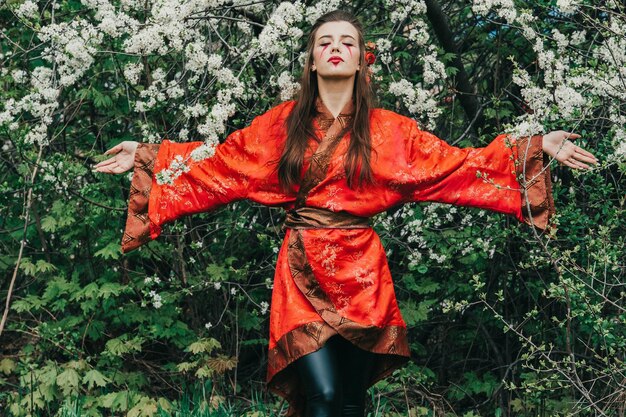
{"x":533,"y":172}
{"x":391,"y":341}
{"x":137,"y":231}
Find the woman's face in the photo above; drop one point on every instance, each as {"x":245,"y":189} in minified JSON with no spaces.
{"x":336,"y":50}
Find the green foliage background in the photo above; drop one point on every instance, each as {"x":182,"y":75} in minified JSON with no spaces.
{"x":537,"y":327}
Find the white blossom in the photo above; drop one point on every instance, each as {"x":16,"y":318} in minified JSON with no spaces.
{"x":157,"y":300}
{"x":503,"y":8}
{"x":183,"y":134}
{"x":279,"y":25}
{"x":402,"y":9}
{"x":196,"y":58}
{"x":132,"y":71}
{"x":619,"y":143}
{"x":244,"y":27}
{"x":568,"y":100}
{"x":71,"y":48}
{"x":27,"y":10}
{"x":417,"y":100}
{"x":436,"y":257}
{"x":419,"y":33}
{"x":434,"y":70}
{"x":288,"y":87}
{"x":567,"y":6}
{"x":19,"y":76}
{"x":561,"y":40}
{"x":37,"y":135}
{"x":383,"y":47}
{"x":320,"y":8}
{"x":264,"y":307}
{"x":527,"y":125}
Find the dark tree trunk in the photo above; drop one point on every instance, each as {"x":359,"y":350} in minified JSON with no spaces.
{"x":465,"y":91}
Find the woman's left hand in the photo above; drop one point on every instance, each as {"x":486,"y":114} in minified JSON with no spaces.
{"x":557,"y":144}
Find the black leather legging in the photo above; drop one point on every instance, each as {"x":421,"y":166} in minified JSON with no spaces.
{"x":335,"y":379}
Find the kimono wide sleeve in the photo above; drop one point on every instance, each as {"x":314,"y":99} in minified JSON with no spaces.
{"x":240,"y":168}
{"x":508,"y":175}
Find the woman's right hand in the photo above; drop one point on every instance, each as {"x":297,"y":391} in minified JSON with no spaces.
{"x":123,"y":160}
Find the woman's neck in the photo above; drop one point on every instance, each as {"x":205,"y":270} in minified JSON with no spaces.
{"x":335,"y":93}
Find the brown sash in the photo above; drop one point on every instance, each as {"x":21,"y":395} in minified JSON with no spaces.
{"x":319,"y":218}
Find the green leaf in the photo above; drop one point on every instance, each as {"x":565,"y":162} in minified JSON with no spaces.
{"x":48,"y":224}
{"x":115,"y":401}
{"x":119,"y":346}
{"x":28,"y":267}
{"x":110,"y":251}
{"x":101,"y":100}
{"x":204,"y":345}
{"x":427,"y":286}
{"x":7,"y":366}
{"x":30,"y":303}
{"x":517,"y":405}
{"x":96,"y":329}
{"x":43,"y":266}
{"x":94,"y":378}
{"x":249,"y":321}
{"x":145,"y":407}
{"x":89,"y":291}
{"x":84,"y":93}
{"x":469,"y":259}
{"x":68,"y":381}
{"x":216,"y":272}
{"x":414,"y":313}
{"x":7,"y":261}
{"x":204,"y":372}
{"x":177,"y":331}
{"x":186,"y":366}
{"x":110,"y":289}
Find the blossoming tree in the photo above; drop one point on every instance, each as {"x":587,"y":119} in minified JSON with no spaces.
{"x":542,"y":314}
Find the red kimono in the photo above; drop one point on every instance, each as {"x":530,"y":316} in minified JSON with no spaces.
{"x":332,"y":274}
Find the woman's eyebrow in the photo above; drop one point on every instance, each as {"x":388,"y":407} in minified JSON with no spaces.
{"x":329,"y":36}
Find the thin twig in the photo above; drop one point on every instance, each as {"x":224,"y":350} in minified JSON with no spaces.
{"x":29,"y":201}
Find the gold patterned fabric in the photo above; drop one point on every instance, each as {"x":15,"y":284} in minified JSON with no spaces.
{"x":137,"y":231}
{"x":533,"y":171}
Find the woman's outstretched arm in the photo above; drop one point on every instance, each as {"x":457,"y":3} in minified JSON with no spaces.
{"x":508,"y":175}
{"x":240,"y":168}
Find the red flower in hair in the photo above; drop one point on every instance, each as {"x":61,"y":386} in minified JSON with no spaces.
{"x":370,"y":58}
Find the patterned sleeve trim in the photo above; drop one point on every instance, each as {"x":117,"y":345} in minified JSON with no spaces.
{"x":533,"y":173}
{"x":137,"y":230}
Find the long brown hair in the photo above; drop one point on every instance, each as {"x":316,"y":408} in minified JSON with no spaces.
{"x":300,"y":120}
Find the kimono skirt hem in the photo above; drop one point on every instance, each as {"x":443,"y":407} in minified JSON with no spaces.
{"x":388,"y":342}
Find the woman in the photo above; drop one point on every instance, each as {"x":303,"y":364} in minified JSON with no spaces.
{"x":332,"y":161}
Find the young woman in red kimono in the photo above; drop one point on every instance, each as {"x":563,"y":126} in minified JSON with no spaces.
{"x":331,"y":161}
